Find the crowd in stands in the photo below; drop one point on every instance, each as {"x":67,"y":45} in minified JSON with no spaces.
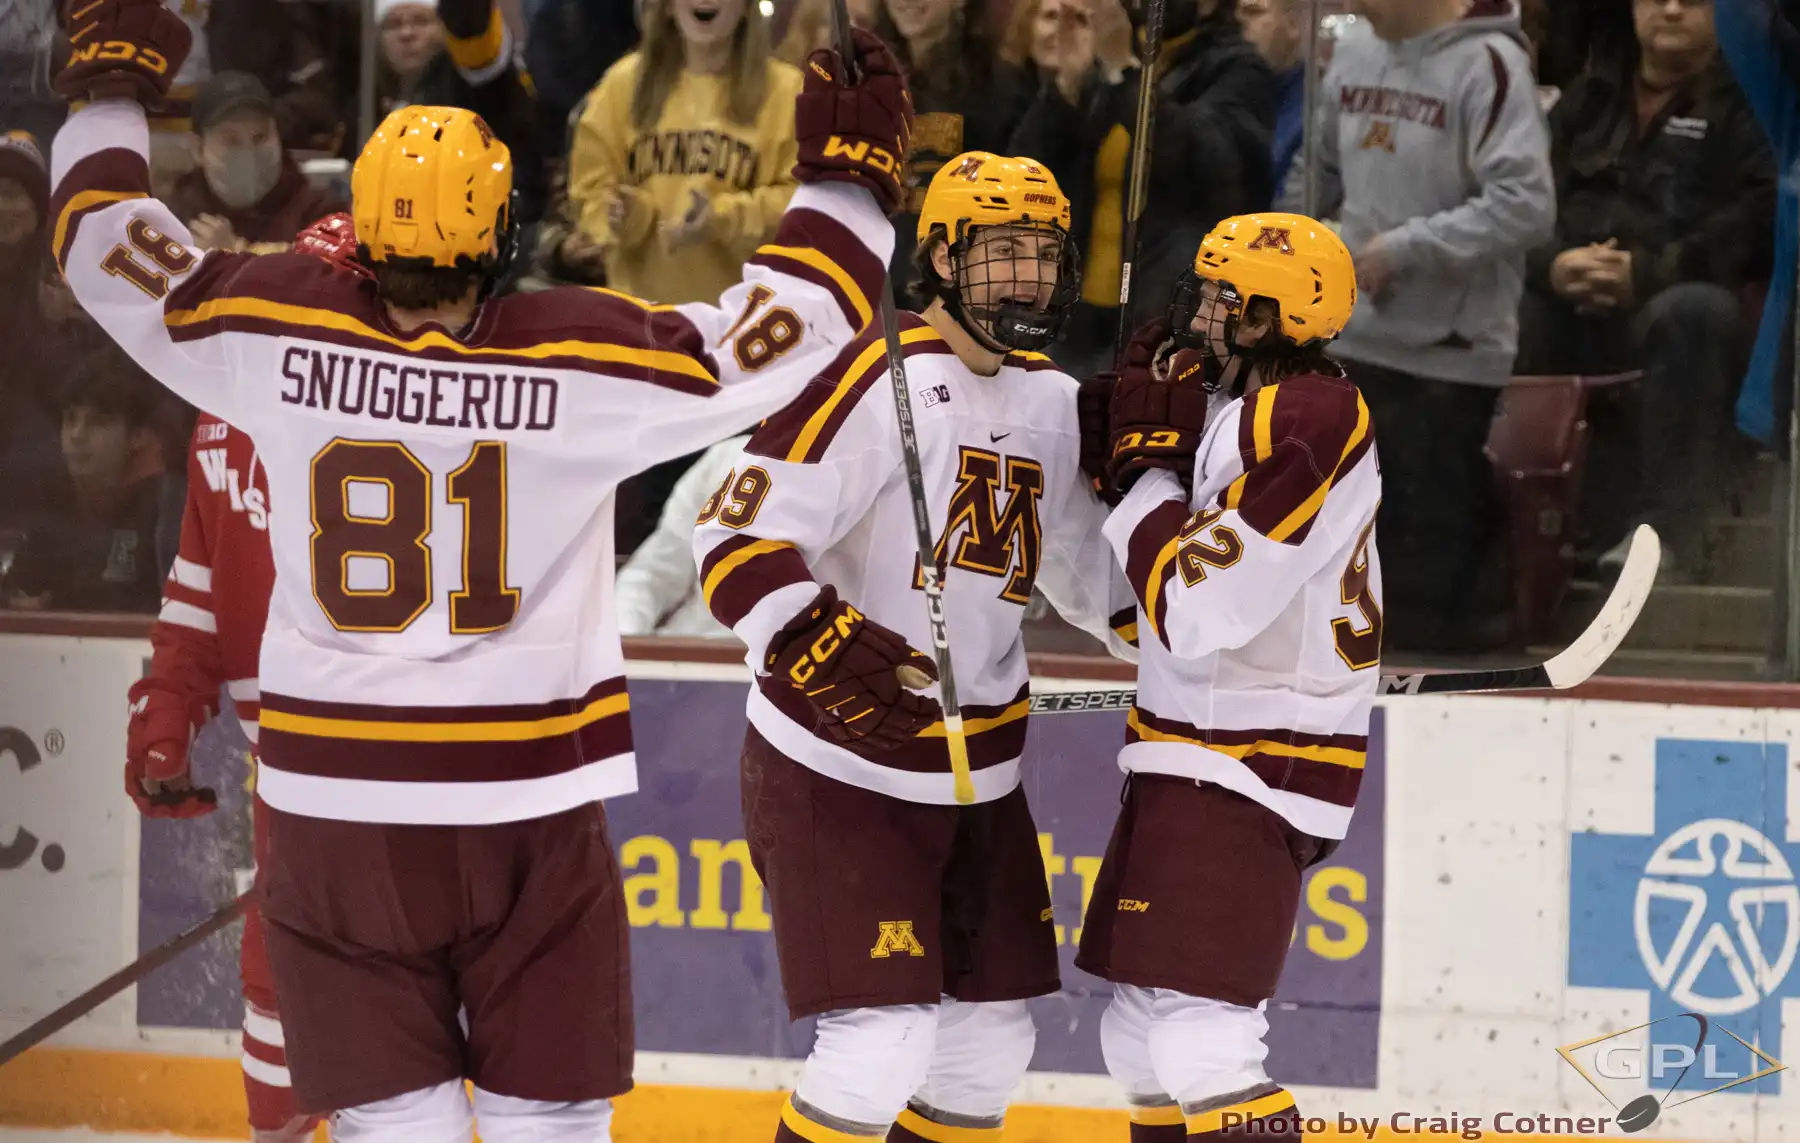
{"x":1529,"y":187}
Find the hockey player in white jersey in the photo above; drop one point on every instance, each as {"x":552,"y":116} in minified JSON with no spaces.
{"x":914,"y":928}
{"x":443,"y":700}
{"x":1249,"y":476}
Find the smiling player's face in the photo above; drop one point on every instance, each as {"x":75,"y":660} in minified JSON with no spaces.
{"x":707,"y":22}
{"x":1013,"y":264}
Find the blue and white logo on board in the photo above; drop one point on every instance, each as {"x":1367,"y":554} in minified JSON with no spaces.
{"x":1704,"y":912}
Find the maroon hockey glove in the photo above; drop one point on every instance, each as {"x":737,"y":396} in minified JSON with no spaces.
{"x":1093,"y":400}
{"x":162,"y":727}
{"x":1156,"y":421}
{"x":856,"y":134}
{"x":122,"y":48}
{"x":848,"y":666}
{"x":333,"y":238}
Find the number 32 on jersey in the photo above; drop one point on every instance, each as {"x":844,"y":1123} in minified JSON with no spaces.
{"x":371,"y":504}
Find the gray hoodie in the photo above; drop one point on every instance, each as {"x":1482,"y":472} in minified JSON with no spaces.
{"x":1438,"y":145}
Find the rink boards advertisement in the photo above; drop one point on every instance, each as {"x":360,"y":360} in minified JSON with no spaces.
{"x":705,"y":974}
{"x":1551,"y":913}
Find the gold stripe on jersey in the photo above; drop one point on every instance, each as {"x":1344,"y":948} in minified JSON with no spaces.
{"x":736,"y":560}
{"x":1012,"y":713}
{"x":1159,"y":571}
{"x":1335,"y":755}
{"x":85,"y":201}
{"x":554,"y":726}
{"x":1127,"y":632}
{"x":1204,"y":1122}
{"x":874,"y":354}
{"x":1165,"y":1115}
{"x":815,"y":1132}
{"x":658,"y":360}
{"x":639,"y":303}
{"x":943,"y":1132}
{"x":826,"y":266}
{"x":1309,"y":507}
{"x":1263,"y":434}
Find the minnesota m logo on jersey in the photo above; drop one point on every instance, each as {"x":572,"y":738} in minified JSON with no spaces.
{"x":896,"y":937}
{"x":1004,"y":540}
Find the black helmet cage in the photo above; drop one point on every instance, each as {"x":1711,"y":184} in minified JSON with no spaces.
{"x":1010,"y":325}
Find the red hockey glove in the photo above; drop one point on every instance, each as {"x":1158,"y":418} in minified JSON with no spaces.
{"x":333,"y":238}
{"x":163,"y":725}
{"x":122,"y":47}
{"x":848,"y":667}
{"x":1156,"y":422}
{"x":1093,"y":401}
{"x":856,"y":134}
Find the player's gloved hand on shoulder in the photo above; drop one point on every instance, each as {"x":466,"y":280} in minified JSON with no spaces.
{"x":128,"y":48}
{"x":333,"y":238}
{"x":162,"y":728}
{"x":1158,"y":410}
{"x":848,"y":666}
{"x":858,"y":133}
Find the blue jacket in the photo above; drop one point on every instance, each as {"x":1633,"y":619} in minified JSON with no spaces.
{"x":1290,"y":117}
{"x":1750,"y":45}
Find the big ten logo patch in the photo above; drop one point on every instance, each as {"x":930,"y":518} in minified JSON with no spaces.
{"x":1000,"y":534}
{"x":18,"y":753}
{"x":933,"y":395}
{"x":895,"y":937}
{"x":221,"y":476}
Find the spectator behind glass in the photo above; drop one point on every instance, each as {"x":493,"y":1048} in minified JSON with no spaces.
{"x":809,"y":27}
{"x":99,"y":549}
{"x":1435,"y":143}
{"x":1033,"y":38}
{"x":1277,"y":29}
{"x":570,"y":45}
{"x":1215,"y":115}
{"x":460,"y":53}
{"x":964,"y":98}
{"x":30,"y":365}
{"x":247,"y":192}
{"x":1761,"y":41}
{"x":1665,"y":202}
{"x":683,"y":160}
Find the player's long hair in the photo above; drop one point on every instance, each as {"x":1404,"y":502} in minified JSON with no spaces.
{"x":415,"y":287}
{"x":660,"y":63}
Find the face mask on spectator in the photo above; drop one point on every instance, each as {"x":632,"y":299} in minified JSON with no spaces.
{"x":241,"y":176}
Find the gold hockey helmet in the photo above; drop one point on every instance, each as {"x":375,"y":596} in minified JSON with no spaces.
{"x":981,"y":189}
{"x":433,"y":185}
{"x":1294,"y":261}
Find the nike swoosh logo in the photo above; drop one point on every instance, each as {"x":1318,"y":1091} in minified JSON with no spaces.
{"x":994,"y":438}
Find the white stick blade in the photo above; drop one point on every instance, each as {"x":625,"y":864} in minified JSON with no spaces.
{"x":1593,"y":647}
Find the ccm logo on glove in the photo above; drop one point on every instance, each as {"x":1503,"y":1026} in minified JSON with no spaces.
{"x":801,"y":670}
{"x":120,"y":51}
{"x":861,"y":152}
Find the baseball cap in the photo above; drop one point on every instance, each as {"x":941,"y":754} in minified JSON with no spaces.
{"x":228,"y":93}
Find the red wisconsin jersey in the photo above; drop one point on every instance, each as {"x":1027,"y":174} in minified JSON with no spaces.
{"x":216,"y":599}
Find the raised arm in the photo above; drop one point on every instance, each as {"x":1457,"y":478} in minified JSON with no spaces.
{"x":123,"y":253}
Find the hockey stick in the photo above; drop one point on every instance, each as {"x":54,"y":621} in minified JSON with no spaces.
{"x":1573,"y":666}
{"x":1139,"y":190}
{"x":121,"y":980}
{"x":915,"y":485}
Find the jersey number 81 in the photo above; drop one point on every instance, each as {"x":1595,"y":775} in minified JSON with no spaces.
{"x":343,"y":535}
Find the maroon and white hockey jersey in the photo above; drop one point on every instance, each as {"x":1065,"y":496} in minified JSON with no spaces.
{"x":216,"y":599}
{"x":441,"y":646}
{"x":820,"y":497}
{"x":1259,"y":626}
